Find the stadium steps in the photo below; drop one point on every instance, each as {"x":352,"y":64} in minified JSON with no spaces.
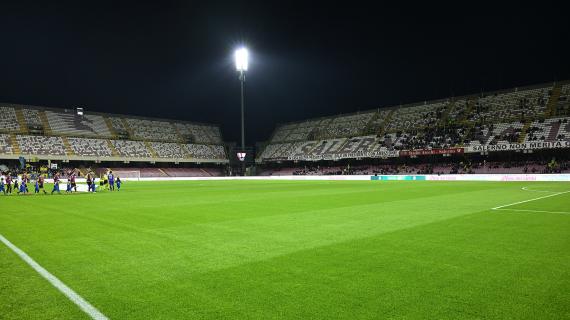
{"x":206,"y":172}
{"x":21,"y":120}
{"x":553,"y":101}
{"x":45,"y":123}
{"x":524,"y":131}
{"x":68,"y":148}
{"x":150,"y":149}
{"x":471,"y":102}
{"x":369,"y":129}
{"x":110,"y":127}
{"x":322,"y":131}
{"x":114,"y":151}
{"x":15,"y":146}
{"x":163,"y":172}
{"x":553,"y":134}
{"x":128,"y":127}
{"x":446,"y":112}
{"x":384,"y":124}
{"x":178,"y":133}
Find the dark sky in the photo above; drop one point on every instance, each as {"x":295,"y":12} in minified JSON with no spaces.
{"x":173,"y":59}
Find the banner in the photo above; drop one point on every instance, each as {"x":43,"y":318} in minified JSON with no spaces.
{"x":351,"y":155}
{"x":425,"y":152}
{"x":519,"y":146}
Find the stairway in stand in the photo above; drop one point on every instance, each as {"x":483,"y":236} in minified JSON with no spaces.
{"x":553,"y":101}
{"x":45,"y":123}
{"x":110,"y":127}
{"x":178,"y":133}
{"x":114,"y":151}
{"x":150,"y":149}
{"x":524,"y":131}
{"x":68,"y":148}
{"x":15,"y":146}
{"x":369,"y":128}
{"x":128,"y":127}
{"x":21,"y":120}
{"x":384,"y":125}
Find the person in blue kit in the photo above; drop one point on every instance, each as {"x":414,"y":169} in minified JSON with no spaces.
{"x":111,"y":178}
{"x":68,"y":189}
{"x":55,"y":184}
{"x":23,"y":187}
{"x":118,"y":183}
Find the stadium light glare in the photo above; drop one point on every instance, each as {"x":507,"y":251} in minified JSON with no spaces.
{"x":242,"y":56}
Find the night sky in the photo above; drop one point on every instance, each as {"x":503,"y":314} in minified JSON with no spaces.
{"x":175,"y":59}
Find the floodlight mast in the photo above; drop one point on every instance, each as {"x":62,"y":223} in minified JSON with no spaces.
{"x":241,"y":56}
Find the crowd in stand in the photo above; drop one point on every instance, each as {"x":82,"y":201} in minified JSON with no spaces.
{"x":486,"y":119}
{"x":460,"y":167}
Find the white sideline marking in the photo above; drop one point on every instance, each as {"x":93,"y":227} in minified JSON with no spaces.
{"x":67,"y":291}
{"x":547,"y":196}
{"x":561,"y":212}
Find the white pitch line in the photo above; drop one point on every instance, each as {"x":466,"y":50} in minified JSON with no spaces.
{"x":561,"y":212}
{"x":512,"y":204}
{"x":67,"y":291}
{"x":527,"y":189}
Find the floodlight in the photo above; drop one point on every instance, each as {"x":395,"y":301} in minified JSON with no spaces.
{"x":241,"y":56}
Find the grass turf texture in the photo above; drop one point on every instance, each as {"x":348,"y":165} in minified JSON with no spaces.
{"x":291,"y":249}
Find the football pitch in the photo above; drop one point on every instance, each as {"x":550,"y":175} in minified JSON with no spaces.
{"x":292,"y":250}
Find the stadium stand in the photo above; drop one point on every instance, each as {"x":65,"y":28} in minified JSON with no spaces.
{"x":71,"y":124}
{"x":504,"y":117}
{"x":416,"y":116}
{"x":5,"y":144}
{"x":131,"y":149}
{"x":345,"y":126}
{"x":493,"y":134}
{"x":90,"y":147}
{"x":549,"y":130}
{"x":562,"y":106}
{"x":152,"y":130}
{"x":199,"y":133}
{"x":200,"y":151}
{"x":168,"y":149}
{"x":118,"y":125}
{"x":32,"y":117}
{"x":8,"y":120}
{"x":538,"y":113}
{"x":520,"y":104}
{"x":41,"y":145}
{"x":67,"y":134}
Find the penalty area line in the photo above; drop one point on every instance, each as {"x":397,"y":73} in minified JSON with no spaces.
{"x":62,"y":287}
{"x":529,"y":200}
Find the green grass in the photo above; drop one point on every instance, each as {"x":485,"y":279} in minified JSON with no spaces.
{"x":292,"y":250}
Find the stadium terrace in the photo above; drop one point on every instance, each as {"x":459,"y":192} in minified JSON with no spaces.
{"x":459,"y":129}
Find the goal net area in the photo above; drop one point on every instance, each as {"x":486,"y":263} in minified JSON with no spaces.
{"x":131,"y":174}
